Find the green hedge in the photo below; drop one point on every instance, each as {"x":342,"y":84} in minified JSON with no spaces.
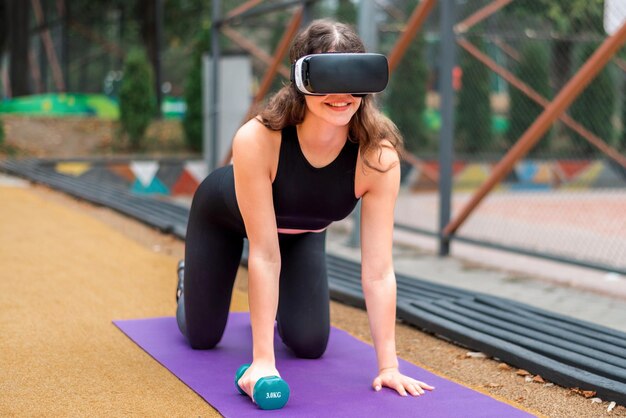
{"x":534,"y":70}
{"x":595,"y":107}
{"x":137,"y":98}
{"x":473,"y":123}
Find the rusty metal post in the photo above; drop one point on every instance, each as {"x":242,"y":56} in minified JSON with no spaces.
{"x":417,"y":18}
{"x":480,"y":15}
{"x":249,"y":46}
{"x":415,"y":22}
{"x":57,"y":74}
{"x":281,"y":50}
{"x":589,"y":136}
{"x":560,"y":103}
{"x":243,"y":8}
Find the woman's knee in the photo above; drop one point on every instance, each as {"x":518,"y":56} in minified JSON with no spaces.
{"x":306,"y":344}
{"x":199,"y":337}
{"x":203,"y":341}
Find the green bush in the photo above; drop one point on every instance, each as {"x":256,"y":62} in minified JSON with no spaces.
{"x":137,"y":98}
{"x":595,"y":107}
{"x":533,"y":69}
{"x":473,"y":126}
{"x":192,"y":123}
{"x":346,"y":12}
{"x":406,"y":97}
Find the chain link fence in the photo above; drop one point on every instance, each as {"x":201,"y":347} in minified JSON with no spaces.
{"x":566,"y":197}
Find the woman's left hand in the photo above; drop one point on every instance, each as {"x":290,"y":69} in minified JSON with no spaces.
{"x":392,"y":378}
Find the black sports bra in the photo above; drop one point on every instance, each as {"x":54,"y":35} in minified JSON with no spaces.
{"x":310,"y":198}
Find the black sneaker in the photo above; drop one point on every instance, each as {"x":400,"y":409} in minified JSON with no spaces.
{"x":181,"y":282}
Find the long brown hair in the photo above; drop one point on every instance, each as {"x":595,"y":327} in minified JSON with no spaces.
{"x":369,"y":127}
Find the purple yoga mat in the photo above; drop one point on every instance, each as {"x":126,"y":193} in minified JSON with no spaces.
{"x":337,"y":385}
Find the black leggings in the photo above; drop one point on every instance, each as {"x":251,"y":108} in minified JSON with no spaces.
{"x":213,"y":248}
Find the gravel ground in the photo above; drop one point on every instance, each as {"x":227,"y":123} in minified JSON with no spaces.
{"x":46,"y":138}
{"x":483,"y":374}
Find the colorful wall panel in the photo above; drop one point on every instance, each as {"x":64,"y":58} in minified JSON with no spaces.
{"x":181,"y":177}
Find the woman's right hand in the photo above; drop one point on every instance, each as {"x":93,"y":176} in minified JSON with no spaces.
{"x":257,"y":370}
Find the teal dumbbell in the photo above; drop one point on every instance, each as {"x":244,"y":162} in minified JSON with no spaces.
{"x":270,"y":392}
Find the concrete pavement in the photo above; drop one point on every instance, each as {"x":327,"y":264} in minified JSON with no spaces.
{"x":506,"y":276}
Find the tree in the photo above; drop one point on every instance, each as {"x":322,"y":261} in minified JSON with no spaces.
{"x":346,"y":12}
{"x":137,"y":98}
{"x":192,"y":123}
{"x":567,"y":18}
{"x":473,"y":127}
{"x":595,"y":106}
{"x":533,"y":69}
{"x":185,"y":19}
{"x":406,"y":94}
{"x":17,"y":37}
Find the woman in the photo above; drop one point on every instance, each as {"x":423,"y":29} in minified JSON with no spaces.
{"x":299,"y":165}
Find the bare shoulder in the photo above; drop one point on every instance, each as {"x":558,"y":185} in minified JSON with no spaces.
{"x":381,"y":173}
{"x":253,"y":137}
{"x":382,"y":159}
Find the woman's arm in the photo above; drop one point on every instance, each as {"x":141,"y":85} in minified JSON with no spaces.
{"x":378,"y":277}
{"x":253,"y":157}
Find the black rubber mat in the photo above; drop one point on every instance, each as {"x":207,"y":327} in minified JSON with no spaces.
{"x":563,"y":350}
{"x":165,"y":216}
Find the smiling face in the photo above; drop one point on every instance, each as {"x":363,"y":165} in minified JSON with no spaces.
{"x":334,"y":109}
{"x":325,"y":36}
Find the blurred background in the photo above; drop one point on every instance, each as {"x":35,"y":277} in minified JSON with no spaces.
{"x":125,"y":78}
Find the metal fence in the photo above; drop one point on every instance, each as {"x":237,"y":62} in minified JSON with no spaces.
{"x":80,"y":45}
{"x":563,"y":198}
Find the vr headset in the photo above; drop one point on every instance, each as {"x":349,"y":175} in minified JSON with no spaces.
{"x":357,"y":74}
